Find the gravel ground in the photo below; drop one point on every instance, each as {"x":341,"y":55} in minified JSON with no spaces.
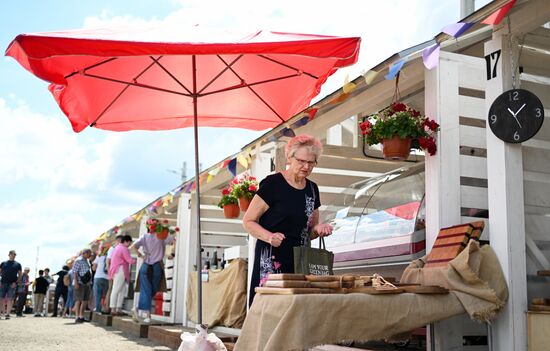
{"x":59,"y":334}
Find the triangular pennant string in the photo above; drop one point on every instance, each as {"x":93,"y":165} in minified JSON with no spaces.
{"x":348,"y":86}
{"x":370,"y":76}
{"x":457,"y":29}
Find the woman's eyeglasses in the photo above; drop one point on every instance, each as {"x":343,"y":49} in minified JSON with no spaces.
{"x":310,"y":164}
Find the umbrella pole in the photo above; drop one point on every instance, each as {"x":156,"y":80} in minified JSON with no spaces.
{"x":198,"y":202}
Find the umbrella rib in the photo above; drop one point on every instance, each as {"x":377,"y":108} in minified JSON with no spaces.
{"x":170,"y":74}
{"x":119,"y":95}
{"x":288,"y":66}
{"x":90,"y":67}
{"x":245,"y":85}
{"x":139,"y":85}
{"x":219,"y":74}
{"x":254,"y":91}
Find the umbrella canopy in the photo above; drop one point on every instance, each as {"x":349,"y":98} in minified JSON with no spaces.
{"x":154,"y":78}
{"x":142,"y":78}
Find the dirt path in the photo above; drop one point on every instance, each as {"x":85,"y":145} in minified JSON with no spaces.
{"x":40,"y":334}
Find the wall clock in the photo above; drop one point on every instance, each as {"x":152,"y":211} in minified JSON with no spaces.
{"x":516,"y":116}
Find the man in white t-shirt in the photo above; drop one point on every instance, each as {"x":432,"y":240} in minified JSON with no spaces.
{"x":118,"y":239}
{"x":101,"y":278}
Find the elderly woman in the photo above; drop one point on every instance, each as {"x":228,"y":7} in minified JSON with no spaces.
{"x":285,"y":212}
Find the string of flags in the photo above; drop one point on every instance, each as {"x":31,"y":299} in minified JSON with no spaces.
{"x":430,"y":58}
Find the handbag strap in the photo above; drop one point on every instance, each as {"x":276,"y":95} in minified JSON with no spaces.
{"x":308,"y":240}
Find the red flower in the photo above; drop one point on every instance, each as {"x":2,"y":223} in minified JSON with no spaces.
{"x":252,"y":187}
{"x":235,"y":181}
{"x":365,"y":127}
{"x":415,"y":113}
{"x":177,"y":229}
{"x":252,"y":178}
{"x":152,"y":228}
{"x":165,"y":221}
{"x":225,"y":192}
{"x":399,"y":107}
{"x":428,"y":144}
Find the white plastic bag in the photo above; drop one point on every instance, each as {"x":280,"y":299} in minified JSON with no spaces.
{"x":201,"y":340}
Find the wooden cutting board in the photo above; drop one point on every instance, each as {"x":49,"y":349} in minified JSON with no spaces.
{"x":540,"y":301}
{"x":373,"y":291}
{"x":286,"y":276}
{"x":288,"y":284}
{"x":325,"y":285}
{"x":330,"y":278}
{"x":424,"y":289}
{"x":292,"y":291}
{"x":449,"y":243}
{"x":539,"y":308}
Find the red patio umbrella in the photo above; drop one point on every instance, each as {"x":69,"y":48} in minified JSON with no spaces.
{"x":154,"y":78}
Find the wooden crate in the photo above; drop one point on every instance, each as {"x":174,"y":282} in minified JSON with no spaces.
{"x":538,"y":330}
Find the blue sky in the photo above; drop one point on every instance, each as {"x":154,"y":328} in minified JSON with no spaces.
{"x":59,"y":190}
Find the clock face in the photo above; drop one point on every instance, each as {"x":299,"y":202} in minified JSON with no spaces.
{"x":516,"y":115}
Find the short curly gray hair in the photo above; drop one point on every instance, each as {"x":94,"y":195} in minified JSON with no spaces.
{"x":305,"y":141}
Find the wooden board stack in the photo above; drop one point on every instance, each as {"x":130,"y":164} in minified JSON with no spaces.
{"x":451,"y":241}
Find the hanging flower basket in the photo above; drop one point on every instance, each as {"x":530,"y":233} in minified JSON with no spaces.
{"x":163,"y":234}
{"x":398,"y":123}
{"x":231,"y":211}
{"x":244,"y":202}
{"x":396,"y":149}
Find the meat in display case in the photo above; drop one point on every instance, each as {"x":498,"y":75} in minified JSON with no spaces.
{"x":379,"y":220}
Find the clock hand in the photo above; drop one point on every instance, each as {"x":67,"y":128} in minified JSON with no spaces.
{"x":521,"y":108}
{"x":514,"y":115}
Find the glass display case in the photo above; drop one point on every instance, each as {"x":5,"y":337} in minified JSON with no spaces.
{"x":379,"y":220}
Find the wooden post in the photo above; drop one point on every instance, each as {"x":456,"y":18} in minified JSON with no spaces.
{"x":443,"y":178}
{"x":506,"y":204}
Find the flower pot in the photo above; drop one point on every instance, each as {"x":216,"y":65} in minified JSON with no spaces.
{"x":396,"y":149}
{"x":231,"y":211}
{"x":163,"y":234}
{"x":244,"y":203}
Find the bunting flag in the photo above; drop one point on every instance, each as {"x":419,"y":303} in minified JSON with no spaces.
{"x":188,"y":187}
{"x":369,"y":76}
{"x":210,"y":177}
{"x":232,"y":166}
{"x":194,"y":185}
{"x":288,"y":132}
{"x":272,"y":138}
{"x":301,"y":122}
{"x":341,"y":98}
{"x":225,"y":163}
{"x":430,"y":56}
{"x":394,"y":69}
{"x":499,"y":14}
{"x":312,"y":112}
{"x":242,"y":161}
{"x":138,"y":215}
{"x":348,"y":86}
{"x":457,"y":29}
{"x":214,"y":172}
{"x":202,"y":177}
{"x":167,"y":200}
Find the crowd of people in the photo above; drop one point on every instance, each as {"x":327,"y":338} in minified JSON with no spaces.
{"x":93,"y":281}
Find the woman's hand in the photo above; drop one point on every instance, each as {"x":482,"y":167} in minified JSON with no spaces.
{"x":276,"y":239}
{"x":323,"y":229}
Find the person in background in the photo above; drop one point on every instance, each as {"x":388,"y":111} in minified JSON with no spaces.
{"x":106,"y":303}
{"x":82,"y":279}
{"x":10,"y":275}
{"x":22,"y":292}
{"x":119,"y":273}
{"x":101,"y":278}
{"x":41,"y":286}
{"x":284,"y":213}
{"x":47,"y":275}
{"x":68,"y":308}
{"x":151,"y":271}
{"x":60,"y":289}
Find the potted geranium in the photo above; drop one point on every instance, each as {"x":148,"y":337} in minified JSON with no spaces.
{"x":244,"y":188}
{"x":229,"y":203}
{"x":160,"y":228}
{"x":399,"y":128}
